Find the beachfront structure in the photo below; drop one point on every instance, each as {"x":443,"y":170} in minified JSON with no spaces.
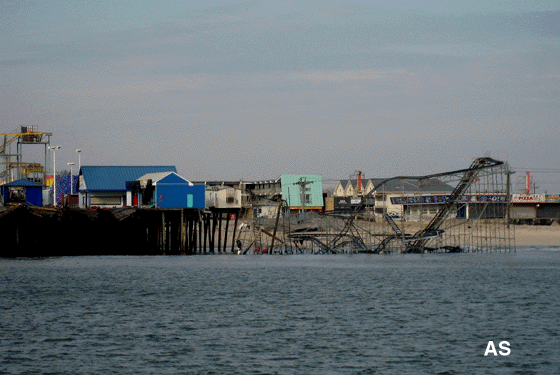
{"x":407,"y":198}
{"x":223,"y":197}
{"x":302,"y":190}
{"x":292,"y":188}
{"x":239,"y":192}
{"x":165,"y":190}
{"x":22,"y":191}
{"x":352,"y":188}
{"x":288,"y":187}
{"x":105,"y":186}
{"x":535,"y":208}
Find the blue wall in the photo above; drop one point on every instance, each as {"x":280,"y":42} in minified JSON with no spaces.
{"x":33,"y":195}
{"x":177,"y":196}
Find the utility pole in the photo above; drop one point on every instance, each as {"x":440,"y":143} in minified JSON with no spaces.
{"x":302,"y":185}
{"x":508,"y":194}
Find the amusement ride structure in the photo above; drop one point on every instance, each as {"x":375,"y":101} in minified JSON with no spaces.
{"x":472,"y":217}
{"x":12,"y":164}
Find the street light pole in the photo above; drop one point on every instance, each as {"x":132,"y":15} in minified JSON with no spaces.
{"x":71,"y":178}
{"x":54,"y":148}
{"x":79,"y":160}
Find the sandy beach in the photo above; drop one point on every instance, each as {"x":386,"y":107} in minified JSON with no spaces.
{"x":537,"y":235}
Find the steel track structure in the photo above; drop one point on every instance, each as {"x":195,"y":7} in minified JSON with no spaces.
{"x":421,"y":240}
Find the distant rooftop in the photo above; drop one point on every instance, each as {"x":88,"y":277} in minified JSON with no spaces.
{"x":114,"y":178}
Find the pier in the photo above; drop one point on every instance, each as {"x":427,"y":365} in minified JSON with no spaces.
{"x":43,"y":231}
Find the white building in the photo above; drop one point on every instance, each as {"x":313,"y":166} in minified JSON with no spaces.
{"x":223,"y":197}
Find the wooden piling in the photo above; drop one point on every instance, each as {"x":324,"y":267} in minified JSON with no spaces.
{"x":234,"y":232}
{"x":226,"y":233}
{"x":213,"y":233}
{"x":128,"y":231}
{"x":206,"y":230}
{"x":164,"y":233}
{"x":199,"y":223}
{"x":275,"y":227}
{"x":219,"y":214}
{"x":191,"y":236}
{"x":182,"y":233}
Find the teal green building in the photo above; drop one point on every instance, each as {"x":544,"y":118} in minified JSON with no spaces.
{"x":312,"y":193}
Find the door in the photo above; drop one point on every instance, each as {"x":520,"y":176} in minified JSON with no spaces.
{"x":190,"y":200}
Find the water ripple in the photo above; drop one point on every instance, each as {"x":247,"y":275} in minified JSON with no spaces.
{"x":281,"y":315}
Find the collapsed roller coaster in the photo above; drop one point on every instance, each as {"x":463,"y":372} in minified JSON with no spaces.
{"x":472,"y":217}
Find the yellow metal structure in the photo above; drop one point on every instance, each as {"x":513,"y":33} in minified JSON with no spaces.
{"x":27,"y":135}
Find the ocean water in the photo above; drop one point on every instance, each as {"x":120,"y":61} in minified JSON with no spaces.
{"x":293,"y":314}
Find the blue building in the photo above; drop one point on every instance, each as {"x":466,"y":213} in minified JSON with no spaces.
{"x":22,"y":192}
{"x":169,"y":190}
{"x":106,"y":186}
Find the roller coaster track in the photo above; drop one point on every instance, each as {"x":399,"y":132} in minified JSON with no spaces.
{"x":417,"y":242}
{"x":469,"y":177}
{"x":398,"y":235}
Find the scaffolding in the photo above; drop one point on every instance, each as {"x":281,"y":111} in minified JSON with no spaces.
{"x":12,"y":164}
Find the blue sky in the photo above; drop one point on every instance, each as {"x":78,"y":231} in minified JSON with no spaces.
{"x":255,"y":89}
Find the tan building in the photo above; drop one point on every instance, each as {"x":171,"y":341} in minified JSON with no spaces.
{"x":349,"y":188}
{"x":408,"y":198}
{"x":223,"y":197}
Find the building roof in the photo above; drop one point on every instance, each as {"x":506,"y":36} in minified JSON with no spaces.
{"x":23,"y":182}
{"x":411,"y":185}
{"x":114,"y":178}
{"x":401,"y":185}
{"x":154,"y":176}
{"x":354,"y":183}
{"x":158,"y":176}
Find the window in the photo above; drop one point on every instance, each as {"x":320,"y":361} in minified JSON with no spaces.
{"x":105,"y":200}
{"x":16,"y":194}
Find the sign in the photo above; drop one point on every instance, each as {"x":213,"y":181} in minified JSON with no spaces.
{"x":486,"y":198}
{"x":527,"y":198}
{"x":552,"y":198}
{"x":426,"y":199}
{"x":439,"y":199}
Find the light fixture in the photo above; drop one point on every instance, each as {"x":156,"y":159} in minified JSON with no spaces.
{"x":71,"y":178}
{"x":54,"y":148}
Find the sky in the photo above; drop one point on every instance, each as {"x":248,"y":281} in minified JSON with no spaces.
{"x":230,"y":90}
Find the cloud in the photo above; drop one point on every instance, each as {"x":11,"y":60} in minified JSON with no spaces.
{"x":14,"y":62}
{"x":354,"y":75}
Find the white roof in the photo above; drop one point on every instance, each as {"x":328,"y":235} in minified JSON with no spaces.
{"x":155,"y":177}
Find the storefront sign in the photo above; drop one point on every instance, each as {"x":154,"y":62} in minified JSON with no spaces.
{"x":527,"y":198}
{"x":439,"y":199}
{"x":552,"y":198}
